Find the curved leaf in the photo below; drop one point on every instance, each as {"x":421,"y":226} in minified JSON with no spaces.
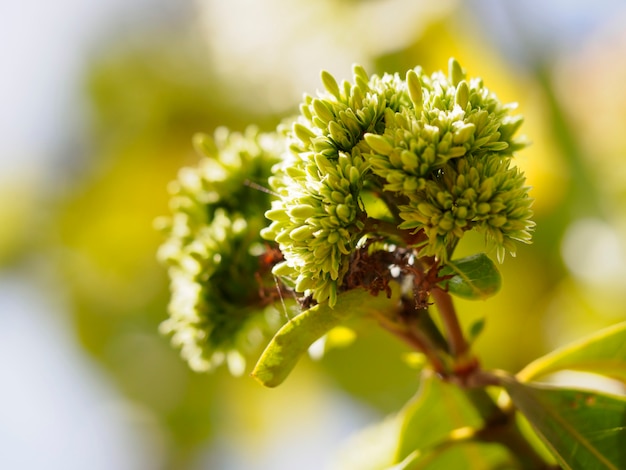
{"x":436,"y":410}
{"x":457,"y":453}
{"x":295,"y":337}
{"x":602,"y":353}
{"x":437,"y":430}
{"x":475,"y":277}
{"x":582,"y":429}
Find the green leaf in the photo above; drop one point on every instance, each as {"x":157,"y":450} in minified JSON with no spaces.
{"x":454,"y":454}
{"x":476,"y":329}
{"x":436,"y":427}
{"x":604,"y":352}
{"x":584,"y":430}
{"x":474,"y":277}
{"x":295,"y":337}
{"x":436,"y":410}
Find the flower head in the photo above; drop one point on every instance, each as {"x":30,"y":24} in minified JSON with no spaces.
{"x":318,"y":219}
{"x":212,"y":248}
{"x":483,"y":193}
{"x":436,"y":148}
{"x":448,"y":155}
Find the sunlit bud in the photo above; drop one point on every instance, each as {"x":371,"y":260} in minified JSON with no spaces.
{"x":415,"y":89}
{"x":276,"y":214}
{"x":461,"y":97}
{"x":463,"y":134}
{"x":306,"y":111}
{"x":303,"y":133}
{"x":301,"y":211}
{"x":323,"y":111}
{"x":330,"y":84}
{"x":379,"y":144}
{"x":360,"y":76}
{"x":455,"y":72}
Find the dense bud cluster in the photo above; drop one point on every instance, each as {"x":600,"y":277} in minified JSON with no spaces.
{"x":318,"y":219}
{"x":437,"y":145}
{"x":212,"y":250}
{"x":448,"y":155}
{"x":473,"y":192}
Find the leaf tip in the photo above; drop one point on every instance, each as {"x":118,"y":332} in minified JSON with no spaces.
{"x":265,"y":377}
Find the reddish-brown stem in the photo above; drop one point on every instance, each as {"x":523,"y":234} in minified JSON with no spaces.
{"x":458,"y":345}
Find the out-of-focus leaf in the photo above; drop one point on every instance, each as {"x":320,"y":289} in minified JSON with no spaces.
{"x":372,"y":370}
{"x":474,"y":277}
{"x":604,"y":352}
{"x":476,"y":329}
{"x":436,"y":410}
{"x":435,"y":426}
{"x":583,"y":429}
{"x":295,"y":337}
{"x":463,"y":454}
{"x":429,"y":432}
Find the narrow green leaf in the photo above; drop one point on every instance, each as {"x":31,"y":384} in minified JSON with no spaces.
{"x":295,"y":337}
{"x":474,"y":277}
{"x":604,"y":352}
{"x":584,"y":430}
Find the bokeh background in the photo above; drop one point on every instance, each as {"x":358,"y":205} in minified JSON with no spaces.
{"x":98,"y":103}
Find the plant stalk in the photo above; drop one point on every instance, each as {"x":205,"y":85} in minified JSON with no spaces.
{"x":459,"y":346}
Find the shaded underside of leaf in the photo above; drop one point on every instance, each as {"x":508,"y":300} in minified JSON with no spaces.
{"x":604,"y":353}
{"x":436,"y":410}
{"x":475,"y":277}
{"x":295,"y":337}
{"x":584,"y":430}
{"x":458,"y":455}
{"x":436,"y":423}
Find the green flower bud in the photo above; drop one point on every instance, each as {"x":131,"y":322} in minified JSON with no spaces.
{"x":379,"y":144}
{"x":303,"y":133}
{"x":415,"y":89}
{"x":455,"y":72}
{"x":323,"y":111}
{"x":301,"y":233}
{"x":330,"y":84}
{"x":461,"y":96}
{"x":303,"y":211}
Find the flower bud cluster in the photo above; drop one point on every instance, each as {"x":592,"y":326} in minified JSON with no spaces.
{"x":484,"y":193}
{"x":438,"y":146}
{"x":318,"y":219}
{"x":448,"y":155}
{"x":212,"y":235}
